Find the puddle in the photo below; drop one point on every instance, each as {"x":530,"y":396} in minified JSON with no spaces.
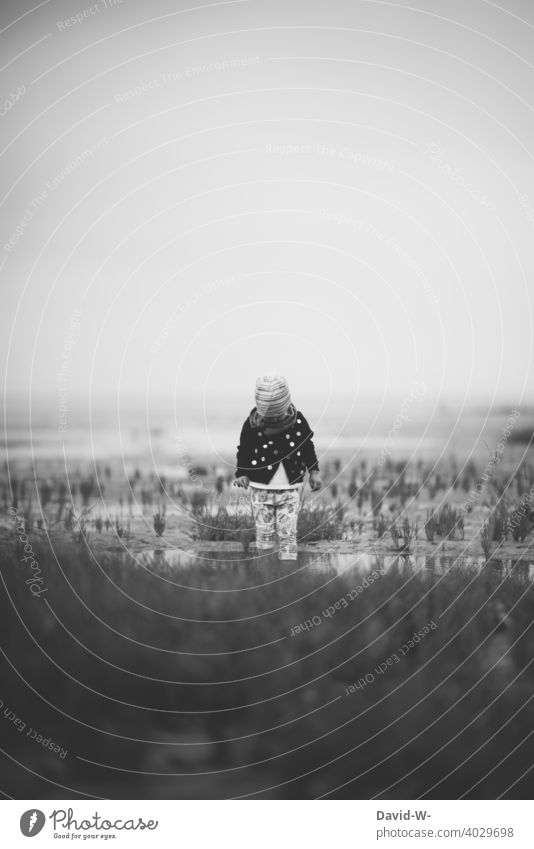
{"x":435,"y":565}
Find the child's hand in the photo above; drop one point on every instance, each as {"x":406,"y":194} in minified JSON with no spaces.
{"x":315,"y":481}
{"x":242,"y":481}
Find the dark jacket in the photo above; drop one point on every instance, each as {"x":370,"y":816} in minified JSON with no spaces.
{"x":259,"y":454}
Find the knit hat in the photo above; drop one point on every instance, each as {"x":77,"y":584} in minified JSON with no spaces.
{"x":272,"y":396}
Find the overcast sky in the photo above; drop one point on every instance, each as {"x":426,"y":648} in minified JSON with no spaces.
{"x":195,"y":193}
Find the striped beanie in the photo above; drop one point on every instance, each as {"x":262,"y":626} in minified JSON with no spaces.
{"x":272,"y":396}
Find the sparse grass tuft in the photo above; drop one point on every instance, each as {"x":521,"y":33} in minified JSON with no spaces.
{"x":320,"y":522}
{"x":404,"y":536}
{"x":485,"y":540}
{"x":159,"y":516}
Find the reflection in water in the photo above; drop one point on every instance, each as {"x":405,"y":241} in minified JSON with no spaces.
{"x":433,"y":565}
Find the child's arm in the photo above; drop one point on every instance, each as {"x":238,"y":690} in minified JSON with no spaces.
{"x":309,"y":455}
{"x":241,"y":473}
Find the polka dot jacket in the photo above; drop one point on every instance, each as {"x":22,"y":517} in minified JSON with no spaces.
{"x":259,"y":454}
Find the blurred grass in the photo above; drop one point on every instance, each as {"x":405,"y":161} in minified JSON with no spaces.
{"x":119,"y":662}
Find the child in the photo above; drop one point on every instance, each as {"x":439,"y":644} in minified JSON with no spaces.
{"x":275,"y":450}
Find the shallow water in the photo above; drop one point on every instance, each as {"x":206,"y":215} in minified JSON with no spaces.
{"x":334,"y":561}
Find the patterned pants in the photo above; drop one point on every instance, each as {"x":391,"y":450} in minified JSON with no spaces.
{"x":276,"y":512}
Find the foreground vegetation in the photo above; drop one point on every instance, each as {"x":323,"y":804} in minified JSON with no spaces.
{"x":401,"y":502}
{"x":201,"y":683}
